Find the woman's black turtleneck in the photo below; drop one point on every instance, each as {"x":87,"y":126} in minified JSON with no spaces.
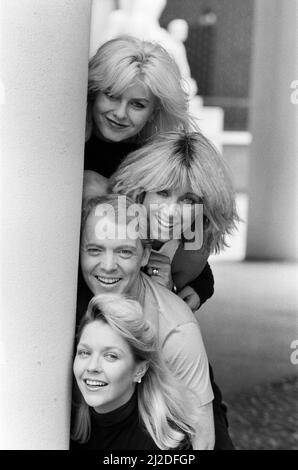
{"x":119,"y":429}
{"x":105,"y":157}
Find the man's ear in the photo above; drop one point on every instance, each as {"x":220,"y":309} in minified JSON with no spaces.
{"x":146,"y":255}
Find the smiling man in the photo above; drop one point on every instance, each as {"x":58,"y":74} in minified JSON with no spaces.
{"x":111,"y":259}
{"x":114,"y":248}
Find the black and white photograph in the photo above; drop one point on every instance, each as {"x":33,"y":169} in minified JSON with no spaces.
{"x":149,"y":229}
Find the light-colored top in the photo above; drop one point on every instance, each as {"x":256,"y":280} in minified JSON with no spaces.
{"x":180,"y":337}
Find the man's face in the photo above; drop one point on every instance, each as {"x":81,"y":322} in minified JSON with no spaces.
{"x":108,"y":263}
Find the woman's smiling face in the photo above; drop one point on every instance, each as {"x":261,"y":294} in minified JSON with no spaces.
{"x":171,"y":212}
{"x":122,"y":117}
{"x":104,"y":367}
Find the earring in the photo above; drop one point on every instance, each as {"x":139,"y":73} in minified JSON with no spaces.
{"x":139,"y":380}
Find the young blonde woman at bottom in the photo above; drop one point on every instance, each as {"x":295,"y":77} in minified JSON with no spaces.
{"x":129,"y":399}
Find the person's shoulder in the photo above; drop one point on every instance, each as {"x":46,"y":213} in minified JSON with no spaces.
{"x":172,"y":308}
{"x":94,"y":184}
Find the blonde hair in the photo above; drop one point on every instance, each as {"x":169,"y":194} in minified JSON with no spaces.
{"x":124,"y":208}
{"x":164,"y":406}
{"x":120,"y":62}
{"x":177,"y":160}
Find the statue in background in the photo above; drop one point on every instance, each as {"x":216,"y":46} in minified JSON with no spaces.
{"x":178,"y":29}
{"x":140,"y":18}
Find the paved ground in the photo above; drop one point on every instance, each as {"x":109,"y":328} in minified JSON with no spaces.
{"x":266,"y":417}
{"x":248,"y":327}
{"x":250,"y":322}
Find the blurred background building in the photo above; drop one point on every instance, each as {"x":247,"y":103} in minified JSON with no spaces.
{"x":242,"y":71}
{"x":219,"y":63}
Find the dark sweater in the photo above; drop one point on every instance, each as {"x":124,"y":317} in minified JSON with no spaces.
{"x":120,"y":429}
{"x":105,"y":157}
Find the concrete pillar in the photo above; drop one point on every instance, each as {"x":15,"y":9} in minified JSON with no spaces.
{"x":44,"y":57}
{"x":273,"y":191}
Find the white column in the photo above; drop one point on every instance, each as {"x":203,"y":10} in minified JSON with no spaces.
{"x":100,"y":24}
{"x":44,"y":62}
{"x":273,"y":191}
